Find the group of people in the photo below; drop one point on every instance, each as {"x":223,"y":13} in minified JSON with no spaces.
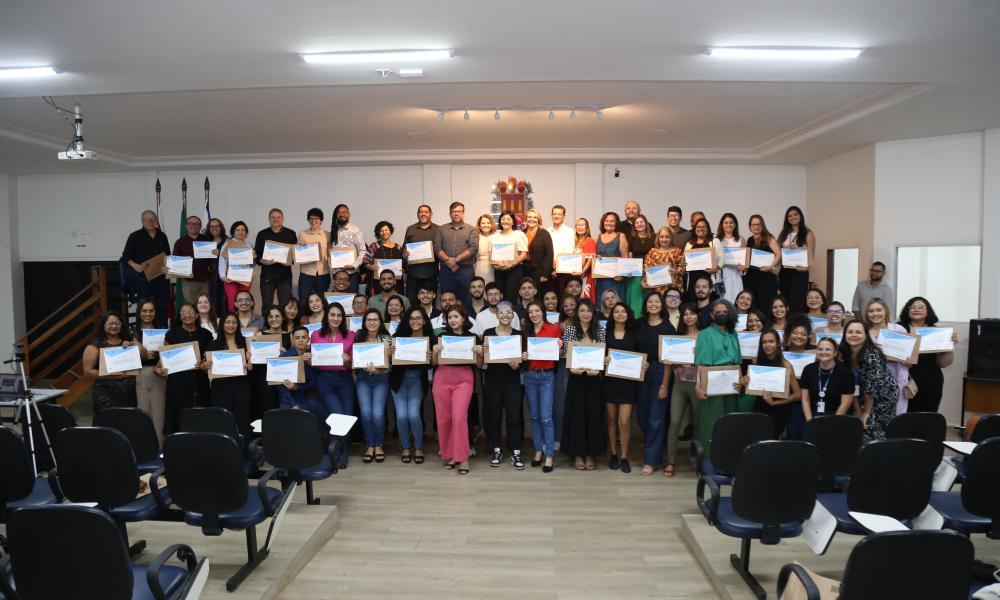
{"x":463,"y":292}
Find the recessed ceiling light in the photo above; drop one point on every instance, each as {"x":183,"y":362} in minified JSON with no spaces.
{"x":411,"y":72}
{"x":27,"y":72}
{"x":382,"y":56}
{"x":786,"y":53}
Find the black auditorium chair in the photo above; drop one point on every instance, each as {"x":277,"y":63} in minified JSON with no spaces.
{"x":55,"y":418}
{"x":838,"y":439}
{"x":891,"y":478}
{"x":71,"y":551}
{"x":208,"y":482}
{"x":299,"y":444}
{"x":136,"y":425}
{"x":986,"y":427}
{"x":96,"y":464}
{"x":215,"y":419}
{"x":976,"y":508}
{"x":732,"y":434}
{"x":773,"y":492}
{"x":929,"y":426}
{"x":899,"y":564}
{"x":19,"y":487}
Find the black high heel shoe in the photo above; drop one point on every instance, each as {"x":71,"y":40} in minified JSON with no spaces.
{"x":536,"y":462}
{"x":614,"y":464}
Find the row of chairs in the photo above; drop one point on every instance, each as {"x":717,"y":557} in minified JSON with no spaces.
{"x":207,"y":472}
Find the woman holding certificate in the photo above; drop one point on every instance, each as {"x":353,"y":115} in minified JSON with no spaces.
{"x":654,"y":389}
{"x":874,"y":385}
{"x":682,"y":397}
{"x":217,"y":231}
{"x":795,"y":236}
{"x":765,"y":262}
{"x":538,"y":381}
{"x":115,"y":388}
{"x":483,"y":267}
{"x":664,"y":253}
{"x":541,"y":256}
{"x":187,"y":387}
{"x":584,"y":435}
{"x":264,"y":397}
{"x":383,"y":248}
{"x":702,"y":239}
{"x":334,"y":382}
{"x":502,"y":389}
{"x":409,"y":386}
{"x":150,"y":388}
{"x":619,"y":394}
{"x":587,"y":246}
{"x":876,"y":318}
{"x":230,"y":384}
{"x":610,"y":243}
{"x":732,"y":273}
{"x":641,"y":240}
{"x":314,"y":276}
{"x":372,"y":387}
{"x":237,"y":241}
{"x":917,"y":315}
{"x":453,"y":384}
{"x":769,"y":354}
{"x":716,"y":346}
{"x":508,"y":250}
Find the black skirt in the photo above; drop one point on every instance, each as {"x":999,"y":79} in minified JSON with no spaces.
{"x":584,"y":432}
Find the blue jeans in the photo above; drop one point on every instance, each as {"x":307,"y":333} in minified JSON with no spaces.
{"x":373,"y":390}
{"x":653,"y":414}
{"x":538,"y":389}
{"x":457,"y":281}
{"x":336,"y":390}
{"x":312,"y":283}
{"x":409,"y":400}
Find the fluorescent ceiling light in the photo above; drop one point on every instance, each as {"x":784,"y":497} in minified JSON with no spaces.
{"x":411,"y":72}
{"x":27,"y":72}
{"x":383,"y":56}
{"x":787,"y":53}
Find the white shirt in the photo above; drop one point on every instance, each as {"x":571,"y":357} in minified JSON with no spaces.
{"x":563,"y":240}
{"x":486,"y":320}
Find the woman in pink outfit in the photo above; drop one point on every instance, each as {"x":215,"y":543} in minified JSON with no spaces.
{"x":453,"y":385}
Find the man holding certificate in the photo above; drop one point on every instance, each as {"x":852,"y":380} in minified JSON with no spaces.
{"x":140,"y":248}
{"x":275,"y":277}
{"x":716,"y":346}
{"x":418,"y":249}
{"x":204,"y":268}
{"x":314,"y":275}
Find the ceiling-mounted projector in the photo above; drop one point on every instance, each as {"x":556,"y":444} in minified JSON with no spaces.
{"x":76,"y":150}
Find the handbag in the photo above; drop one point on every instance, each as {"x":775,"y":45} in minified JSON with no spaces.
{"x":910,"y":389}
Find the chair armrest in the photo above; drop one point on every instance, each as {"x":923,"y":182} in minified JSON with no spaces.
{"x":255,"y":452}
{"x":812,"y":592}
{"x":709,"y":509}
{"x":154,"y":489}
{"x":183,"y":552}
{"x":5,"y":588}
{"x":696,"y":453}
{"x":262,"y":491}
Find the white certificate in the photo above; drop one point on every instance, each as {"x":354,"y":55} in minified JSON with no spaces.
{"x":410,"y":349}
{"x":261,"y":351}
{"x":280,"y":369}
{"x":587,"y":357}
{"x":391,"y":326}
{"x":227,"y":363}
{"x":176,"y":360}
{"x":630,"y":267}
{"x":327,"y":355}
{"x":420,"y":251}
{"x":895,"y":345}
{"x":152,"y":339}
{"x":505,"y":347}
{"x":569,"y":263}
{"x":761,"y":259}
{"x":819,"y":323}
{"x":180,"y":266}
{"x":677,"y":350}
{"x":767,"y":379}
{"x":799,"y":361}
{"x":118,"y":360}
{"x":749,"y":343}
{"x":552,"y":317}
{"x":370,"y":353}
{"x":341,"y":258}
{"x":698,"y":260}
{"x":602,"y":323}
{"x":240,"y":273}
{"x":658,"y":276}
{"x":543,"y":348}
{"x":307,"y":253}
{"x":502,"y":251}
{"x":313,"y":327}
{"x":734,"y":257}
{"x":935,"y":339}
{"x":795,"y":257}
{"x":346,"y":301}
{"x":837,"y":337}
{"x":355,"y":323}
{"x":204,"y":249}
{"x":624,"y":364}
{"x":275,"y":252}
{"x":458,"y":347}
{"x":720,"y":383}
{"x":389,"y":264}
{"x":240,"y":256}
{"x":248,"y":333}
{"x":741,"y":322}
{"x":605,"y":266}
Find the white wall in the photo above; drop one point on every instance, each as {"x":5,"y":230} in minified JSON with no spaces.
{"x":989,"y":305}
{"x":10,"y":325}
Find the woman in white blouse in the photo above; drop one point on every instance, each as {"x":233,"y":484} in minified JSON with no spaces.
{"x":732,"y":275}
{"x":483,"y":267}
{"x":508,"y":273}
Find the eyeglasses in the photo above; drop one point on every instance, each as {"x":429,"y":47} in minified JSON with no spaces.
{"x":918,"y":307}
{"x":416,"y":318}
{"x":674,"y":298}
{"x":834,"y":311}
{"x":187,"y":314}
{"x":244,"y":300}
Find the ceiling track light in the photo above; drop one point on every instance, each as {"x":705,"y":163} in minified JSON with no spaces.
{"x":552,"y":115}
{"x":572,"y":115}
{"x":571,"y":110}
{"x":600,"y":115}
{"x":496,"y":115}
{"x":466,"y":117}
{"x":440,"y":116}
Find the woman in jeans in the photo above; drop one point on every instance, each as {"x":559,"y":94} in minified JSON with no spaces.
{"x":503,"y":391}
{"x":682,"y":396}
{"x":538,"y":387}
{"x":372,"y":387}
{"x":336,"y":388}
{"x":409,"y":385}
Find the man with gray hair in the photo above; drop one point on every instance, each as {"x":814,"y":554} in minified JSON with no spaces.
{"x":142,"y":245}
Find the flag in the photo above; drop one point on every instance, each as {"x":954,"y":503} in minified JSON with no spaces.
{"x":178,"y":292}
{"x":208,"y":208}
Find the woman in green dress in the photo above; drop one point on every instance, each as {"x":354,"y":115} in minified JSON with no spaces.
{"x":717,"y":345}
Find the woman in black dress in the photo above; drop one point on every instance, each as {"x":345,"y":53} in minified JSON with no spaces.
{"x":232,"y":393}
{"x":187,"y":388}
{"x":927,"y":373}
{"x":654,"y":392}
{"x":794,"y":281}
{"x":762,"y":281}
{"x":584,"y":435}
{"x":769,"y":354}
{"x":116,"y":390}
{"x":619,"y":394}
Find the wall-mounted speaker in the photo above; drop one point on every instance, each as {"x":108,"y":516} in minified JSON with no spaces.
{"x":984,"y":348}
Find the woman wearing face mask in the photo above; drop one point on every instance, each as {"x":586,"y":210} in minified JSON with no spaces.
{"x":232,"y":393}
{"x":584,"y":434}
{"x":186,"y":388}
{"x":874,"y":387}
{"x":503,"y":391}
{"x":664,"y":253}
{"x":729,"y":237}
{"x":118,"y":389}
{"x":927,"y":374}
{"x":237,"y":239}
{"x":717,"y":346}
{"x":150,"y":388}
{"x":877,"y":318}
{"x":827,"y":385}
{"x":682,"y":397}
{"x":769,"y":354}
{"x":372,"y":387}
{"x":654,"y":391}
{"x":453,"y":385}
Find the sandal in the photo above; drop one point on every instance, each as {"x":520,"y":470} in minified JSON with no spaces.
{"x":580,"y":465}
{"x":464,"y":470}
{"x":450,"y":465}
{"x":668,"y":471}
{"x":380,"y":457}
{"x":646,"y":471}
{"x":405,"y":457}
{"x":590,"y":464}
{"x":418,"y":458}
{"x":367,"y":458}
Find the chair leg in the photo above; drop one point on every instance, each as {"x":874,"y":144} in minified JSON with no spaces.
{"x":135,"y":549}
{"x":255,"y":556}
{"x":742,"y":565}
{"x":310,"y":499}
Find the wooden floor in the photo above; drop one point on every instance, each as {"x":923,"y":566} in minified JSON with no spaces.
{"x":419,"y":531}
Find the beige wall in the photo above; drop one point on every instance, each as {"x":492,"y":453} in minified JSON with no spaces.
{"x":840,"y":194}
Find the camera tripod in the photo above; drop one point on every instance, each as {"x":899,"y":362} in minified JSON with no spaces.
{"x":26,"y":404}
